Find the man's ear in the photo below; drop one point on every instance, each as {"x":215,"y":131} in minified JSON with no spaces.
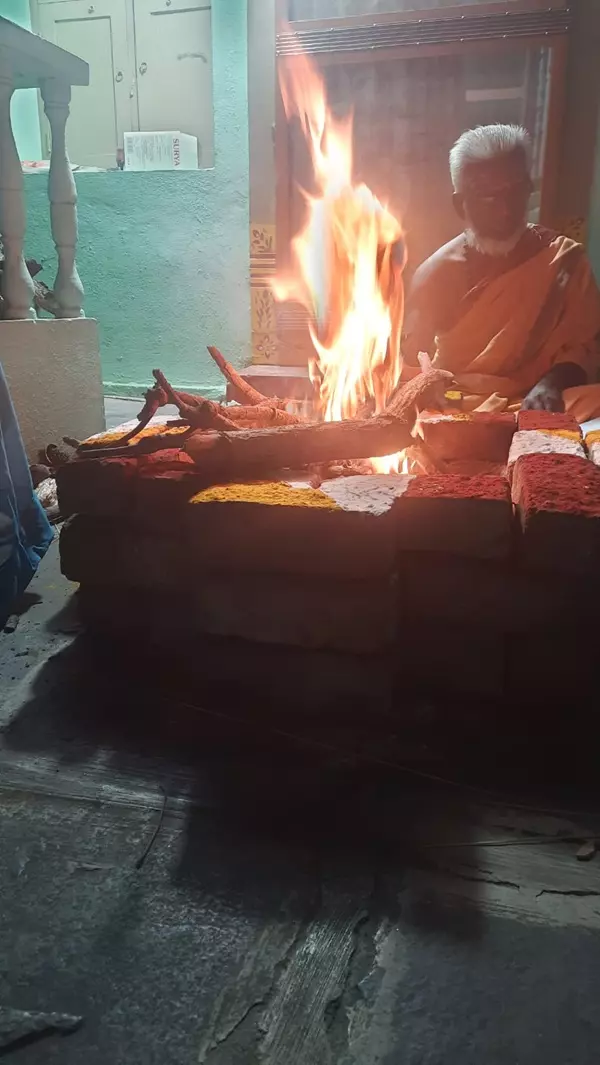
{"x":459,"y":205}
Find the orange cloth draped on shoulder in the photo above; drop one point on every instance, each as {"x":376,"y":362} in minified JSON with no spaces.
{"x":542,"y":312}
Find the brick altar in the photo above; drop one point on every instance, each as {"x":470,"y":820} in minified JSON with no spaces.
{"x":444,"y":583}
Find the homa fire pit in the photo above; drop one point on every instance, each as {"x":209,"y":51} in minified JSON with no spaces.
{"x":353,"y":588}
{"x":395,"y":543}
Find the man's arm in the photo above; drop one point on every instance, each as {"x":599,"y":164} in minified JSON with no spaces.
{"x":419,"y":330}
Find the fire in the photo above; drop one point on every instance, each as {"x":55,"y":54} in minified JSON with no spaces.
{"x":345,"y":266}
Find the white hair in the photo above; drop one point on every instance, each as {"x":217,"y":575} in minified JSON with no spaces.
{"x":486,"y":142}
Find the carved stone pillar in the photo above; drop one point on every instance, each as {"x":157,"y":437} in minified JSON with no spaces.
{"x":63,"y":201}
{"x":17,"y":286}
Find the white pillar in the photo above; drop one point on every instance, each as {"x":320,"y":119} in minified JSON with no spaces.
{"x":17,"y":286}
{"x":63,"y":201}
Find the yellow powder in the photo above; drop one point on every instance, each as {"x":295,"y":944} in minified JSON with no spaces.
{"x":568,"y":434}
{"x":267,"y":493}
{"x":150,"y":430}
{"x":448,"y":415}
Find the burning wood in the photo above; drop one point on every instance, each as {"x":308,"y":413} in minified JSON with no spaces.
{"x":250,"y":394}
{"x":261,"y":452}
{"x":259,"y":440}
{"x":251,"y":453}
{"x":348,"y":259}
{"x":199,"y":413}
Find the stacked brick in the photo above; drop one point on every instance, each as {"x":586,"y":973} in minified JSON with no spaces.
{"x":344,"y":593}
{"x":592,"y":445}
{"x":556,"y":492}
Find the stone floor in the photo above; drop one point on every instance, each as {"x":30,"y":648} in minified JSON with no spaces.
{"x":204,"y":885}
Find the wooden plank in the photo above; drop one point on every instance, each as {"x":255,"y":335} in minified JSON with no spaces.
{"x":432,"y":51}
{"x":554,"y":128}
{"x":428,"y":14}
{"x":33,"y":60}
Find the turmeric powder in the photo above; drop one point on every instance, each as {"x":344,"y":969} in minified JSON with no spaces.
{"x":266,"y":493}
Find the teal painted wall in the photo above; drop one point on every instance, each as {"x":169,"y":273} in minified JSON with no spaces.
{"x":24,"y":106}
{"x":164,"y":257}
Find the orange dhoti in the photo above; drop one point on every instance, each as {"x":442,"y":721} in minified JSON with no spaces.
{"x":541,"y":313}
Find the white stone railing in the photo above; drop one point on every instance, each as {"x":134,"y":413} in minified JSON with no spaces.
{"x":28,"y":61}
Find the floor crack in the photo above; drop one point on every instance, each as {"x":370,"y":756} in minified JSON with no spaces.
{"x":216,"y":1039}
{"x":579,"y":893}
{"x":481,"y":879}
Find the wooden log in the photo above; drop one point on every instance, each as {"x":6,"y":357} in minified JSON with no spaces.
{"x":426,"y":389}
{"x":260,"y":452}
{"x":260,"y":416}
{"x":250,"y":394}
{"x":198,"y":412}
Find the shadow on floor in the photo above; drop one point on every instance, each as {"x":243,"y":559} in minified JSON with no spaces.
{"x":321,"y":852}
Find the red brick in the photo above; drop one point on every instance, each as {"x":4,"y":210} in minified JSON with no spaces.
{"x":319,"y":612}
{"x":476,"y":467}
{"x":352,"y":616}
{"x":96,"y":486}
{"x":356,"y":616}
{"x":344,"y":528}
{"x":495,"y":594}
{"x":89,"y":549}
{"x":116,"y":553}
{"x":446,"y":660}
{"x":477,"y":436}
{"x":281,"y":678}
{"x":547,"y":420}
{"x":454,"y":514}
{"x":558,"y":503}
{"x":557,"y":667}
{"x":161,"y":495}
{"x":542,"y":442}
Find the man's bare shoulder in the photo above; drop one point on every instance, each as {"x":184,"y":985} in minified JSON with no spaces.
{"x":444,"y":267}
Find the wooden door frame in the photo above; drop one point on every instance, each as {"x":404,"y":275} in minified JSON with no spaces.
{"x":556,"y":43}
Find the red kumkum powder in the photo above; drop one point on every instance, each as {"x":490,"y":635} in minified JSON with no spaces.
{"x":455,"y":486}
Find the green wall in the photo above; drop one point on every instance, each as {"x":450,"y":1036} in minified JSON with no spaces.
{"x":164,"y":257}
{"x":24,"y":106}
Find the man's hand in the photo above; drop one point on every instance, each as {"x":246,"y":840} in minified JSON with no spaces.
{"x":548,"y":393}
{"x":544,"y":396}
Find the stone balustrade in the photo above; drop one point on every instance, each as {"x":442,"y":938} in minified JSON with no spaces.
{"x":28,"y":61}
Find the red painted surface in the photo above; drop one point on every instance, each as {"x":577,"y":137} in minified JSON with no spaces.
{"x":546,"y":419}
{"x":455,"y":486}
{"x":560,"y":483}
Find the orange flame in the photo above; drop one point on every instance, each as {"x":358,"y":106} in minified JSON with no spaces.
{"x":346,"y":271}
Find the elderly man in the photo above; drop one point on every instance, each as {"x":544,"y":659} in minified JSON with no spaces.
{"x":512,"y":309}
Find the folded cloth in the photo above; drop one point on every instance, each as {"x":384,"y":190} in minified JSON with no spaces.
{"x":25,"y":532}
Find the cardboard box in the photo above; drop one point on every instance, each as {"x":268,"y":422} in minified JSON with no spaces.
{"x":168,"y":150}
